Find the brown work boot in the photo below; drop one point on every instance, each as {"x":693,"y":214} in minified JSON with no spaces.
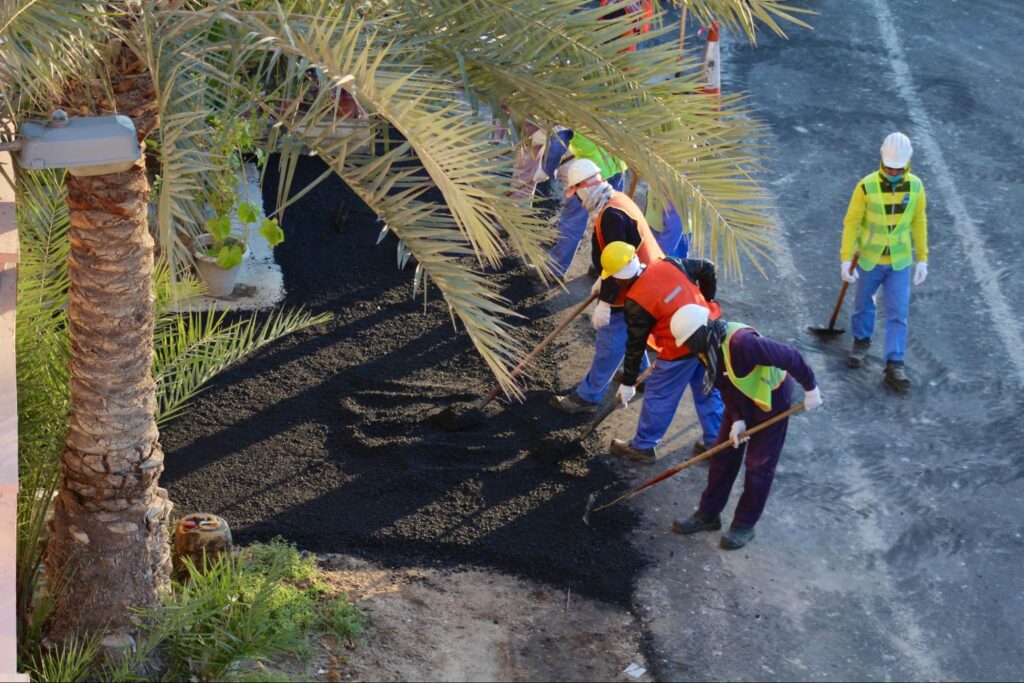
{"x":571,"y":403}
{"x":698,"y":521}
{"x":625,"y":449}
{"x":858,"y":352}
{"x":896,"y":378}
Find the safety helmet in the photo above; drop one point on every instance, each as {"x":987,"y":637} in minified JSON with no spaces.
{"x":578,"y":171}
{"x":615,"y":257}
{"x":896,"y":150}
{"x":686,"y":321}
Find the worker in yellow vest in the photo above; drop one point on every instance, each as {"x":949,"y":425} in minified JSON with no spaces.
{"x":887,"y":225}
{"x":755,"y":376}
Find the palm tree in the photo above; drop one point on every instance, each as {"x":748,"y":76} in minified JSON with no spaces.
{"x":427,"y":72}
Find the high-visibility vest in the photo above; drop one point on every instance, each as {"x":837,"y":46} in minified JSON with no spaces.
{"x":875,"y":235}
{"x":644,"y":6}
{"x":759,"y":384}
{"x":648,"y":251}
{"x":661,"y":290}
{"x":583,"y":147}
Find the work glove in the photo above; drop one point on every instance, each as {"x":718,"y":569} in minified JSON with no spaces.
{"x":812,"y":399}
{"x":596,"y":286}
{"x":738,"y":427}
{"x":846,"y":274}
{"x":602,"y":314}
{"x":920,"y":272}
{"x":625,"y":394}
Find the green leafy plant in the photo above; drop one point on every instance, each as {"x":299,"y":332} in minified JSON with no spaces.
{"x":231,"y":142}
{"x":68,"y":662}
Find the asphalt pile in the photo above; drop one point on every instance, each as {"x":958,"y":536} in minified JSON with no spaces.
{"x":325,"y":438}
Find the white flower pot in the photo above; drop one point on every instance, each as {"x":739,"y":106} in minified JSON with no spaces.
{"x":220,"y":282}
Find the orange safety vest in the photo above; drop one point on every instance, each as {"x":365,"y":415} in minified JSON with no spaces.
{"x":644,"y":6}
{"x":661,"y":290}
{"x":647,"y":251}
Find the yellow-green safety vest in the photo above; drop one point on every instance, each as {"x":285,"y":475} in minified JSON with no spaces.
{"x":875,"y":236}
{"x":583,"y":147}
{"x":762,"y":380}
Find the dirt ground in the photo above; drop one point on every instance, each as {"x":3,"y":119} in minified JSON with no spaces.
{"x":474,"y":625}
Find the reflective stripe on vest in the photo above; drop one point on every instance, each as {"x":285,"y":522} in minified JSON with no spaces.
{"x":648,"y":251}
{"x":661,"y":290}
{"x":875,"y":236}
{"x":762,"y":380}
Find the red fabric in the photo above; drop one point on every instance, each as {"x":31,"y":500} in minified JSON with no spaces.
{"x":648,"y":251}
{"x":658,"y":283}
{"x":645,"y":6}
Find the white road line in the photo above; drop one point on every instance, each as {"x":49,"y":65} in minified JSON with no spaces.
{"x":973,"y":244}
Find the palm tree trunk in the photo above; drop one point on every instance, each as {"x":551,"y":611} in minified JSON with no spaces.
{"x":108,"y":549}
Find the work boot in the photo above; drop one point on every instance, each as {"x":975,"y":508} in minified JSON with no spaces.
{"x":571,"y":403}
{"x":739,"y":535}
{"x":617,"y":379}
{"x":896,"y":378}
{"x":858,"y":352}
{"x":698,"y":521}
{"x":625,"y":449}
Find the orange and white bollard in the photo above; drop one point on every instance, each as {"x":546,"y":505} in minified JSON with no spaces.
{"x":712,"y":65}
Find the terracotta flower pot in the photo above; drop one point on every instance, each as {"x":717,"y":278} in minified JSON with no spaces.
{"x":220,"y":282}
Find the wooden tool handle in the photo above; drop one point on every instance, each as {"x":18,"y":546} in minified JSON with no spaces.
{"x":703,"y":456}
{"x":540,"y":347}
{"x":632,"y":184}
{"x":610,"y":408}
{"x":842,"y":293}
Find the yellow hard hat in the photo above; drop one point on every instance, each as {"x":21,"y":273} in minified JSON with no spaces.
{"x":615,"y":257}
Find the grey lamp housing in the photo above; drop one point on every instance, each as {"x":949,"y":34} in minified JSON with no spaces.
{"x":84,"y":145}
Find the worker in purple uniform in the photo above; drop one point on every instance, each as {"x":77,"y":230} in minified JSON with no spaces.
{"x":755,"y":376}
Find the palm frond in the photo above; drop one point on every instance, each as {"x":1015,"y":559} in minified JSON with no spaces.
{"x":746,"y":15}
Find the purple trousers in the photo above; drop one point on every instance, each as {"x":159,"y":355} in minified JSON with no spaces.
{"x":762,"y":455}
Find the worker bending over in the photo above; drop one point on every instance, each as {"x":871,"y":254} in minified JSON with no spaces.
{"x":755,"y":376}
{"x":622,"y":242}
{"x":886,"y":223}
{"x":664,"y":287}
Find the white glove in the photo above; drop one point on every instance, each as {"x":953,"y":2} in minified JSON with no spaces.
{"x":625,"y":394}
{"x":812,"y":399}
{"x":920,"y":272}
{"x":846,"y":274}
{"x":738,"y":427}
{"x":602,"y":314}
{"x":597,"y":286}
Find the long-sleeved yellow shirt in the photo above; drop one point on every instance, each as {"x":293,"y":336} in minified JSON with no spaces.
{"x":893,"y":201}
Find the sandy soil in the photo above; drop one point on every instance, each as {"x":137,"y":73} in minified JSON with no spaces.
{"x":472,"y":625}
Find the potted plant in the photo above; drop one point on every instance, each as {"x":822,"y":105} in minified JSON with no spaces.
{"x":219,"y":253}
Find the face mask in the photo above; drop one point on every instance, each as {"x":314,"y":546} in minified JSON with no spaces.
{"x":894,"y":178}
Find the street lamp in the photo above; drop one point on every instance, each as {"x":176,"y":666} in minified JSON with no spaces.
{"x":84,"y":145}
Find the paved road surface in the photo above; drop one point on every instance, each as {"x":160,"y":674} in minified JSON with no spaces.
{"x":892,"y":545}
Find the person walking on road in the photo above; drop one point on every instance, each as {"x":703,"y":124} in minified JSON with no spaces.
{"x":887,"y":225}
{"x":663,"y":288}
{"x":622,"y":244}
{"x":756,"y":377}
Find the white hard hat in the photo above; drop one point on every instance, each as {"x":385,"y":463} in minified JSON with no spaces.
{"x":686,"y":321}
{"x":577,"y":171}
{"x":896,"y":151}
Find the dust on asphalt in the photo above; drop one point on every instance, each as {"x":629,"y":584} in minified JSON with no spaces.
{"x":324,"y":438}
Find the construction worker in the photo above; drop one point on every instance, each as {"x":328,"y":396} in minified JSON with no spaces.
{"x":652,"y":299}
{"x":622,"y":242}
{"x":644,"y":9}
{"x":564,"y":147}
{"x":886,"y":224}
{"x":755,"y":376}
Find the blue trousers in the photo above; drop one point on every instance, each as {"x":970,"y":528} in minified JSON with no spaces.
{"x":609,"y":350}
{"x":895,"y":286}
{"x":572,"y":223}
{"x":672,"y":239}
{"x":662,"y":393}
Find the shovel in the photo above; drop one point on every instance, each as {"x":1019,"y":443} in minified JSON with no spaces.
{"x":455,"y":420}
{"x":610,"y":408}
{"x":831,"y":330}
{"x":683,"y":465}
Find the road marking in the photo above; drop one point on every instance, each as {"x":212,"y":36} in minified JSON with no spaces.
{"x":973,"y":245}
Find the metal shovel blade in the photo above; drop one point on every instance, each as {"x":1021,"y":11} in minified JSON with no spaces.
{"x":826,"y":331}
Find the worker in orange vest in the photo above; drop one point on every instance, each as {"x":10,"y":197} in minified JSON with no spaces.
{"x":664,"y":287}
{"x":622,"y":241}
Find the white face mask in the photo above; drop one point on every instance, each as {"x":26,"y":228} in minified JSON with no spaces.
{"x":588,"y":194}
